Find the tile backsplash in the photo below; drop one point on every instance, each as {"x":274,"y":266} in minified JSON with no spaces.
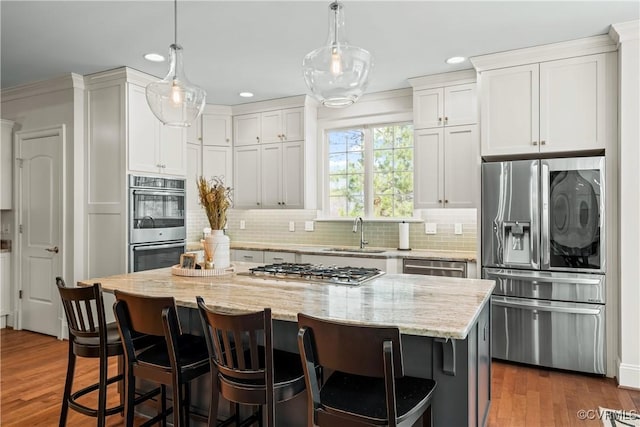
{"x":272,"y":226}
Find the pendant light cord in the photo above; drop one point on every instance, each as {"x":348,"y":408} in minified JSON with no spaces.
{"x":175,"y":22}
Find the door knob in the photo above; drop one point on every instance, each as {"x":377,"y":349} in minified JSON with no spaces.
{"x":54,"y":249}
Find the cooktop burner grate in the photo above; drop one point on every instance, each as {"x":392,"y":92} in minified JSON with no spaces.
{"x":318,"y":273}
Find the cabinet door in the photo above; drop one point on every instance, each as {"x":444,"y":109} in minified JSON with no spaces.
{"x":173,"y":155}
{"x":194,"y":132}
{"x":247,"y":255}
{"x":293,"y":124}
{"x":293,"y":175}
{"x":428,"y":162}
{"x":279,"y":257}
{"x":461,"y":166}
{"x":246,"y":129}
{"x":144,"y":133}
{"x":573,"y":104}
{"x":428,"y":108}
{"x":246,"y":178}
{"x":217,"y":161}
{"x":460,"y":105}
{"x":216,"y":130}
{"x":271,"y":175}
{"x":194,"y":170}
{"x":509,"y":111}
{"x":271,"y":126}
{"x":6,"y":164}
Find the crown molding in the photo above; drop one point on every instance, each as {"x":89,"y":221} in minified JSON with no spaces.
{"x":270,"y":104}
{"x":625,"y":31}
{"x":65,"y":82}
{"x":217,"y":109}
{"x":548,"y":52}
{"x":438,"y":80}
{"x":130,"y":75}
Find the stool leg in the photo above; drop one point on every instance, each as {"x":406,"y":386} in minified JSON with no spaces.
{"x":71,"y":366}
{"x":163,"y":404}
{"x":177,"y":404}
{"x":213,"y":404}
{"x":187,"y":404}
{"x":102,"y":390}
{"x":129,"y":396}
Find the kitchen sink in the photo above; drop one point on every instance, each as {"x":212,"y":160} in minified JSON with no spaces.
{"x":358,"y":250}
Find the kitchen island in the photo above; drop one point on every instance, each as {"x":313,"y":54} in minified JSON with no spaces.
{"x":444,"y":324}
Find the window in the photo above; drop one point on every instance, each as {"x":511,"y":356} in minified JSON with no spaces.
{"x":371,"y":171}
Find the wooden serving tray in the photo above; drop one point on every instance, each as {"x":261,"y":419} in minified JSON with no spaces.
{"x":176,"y":270}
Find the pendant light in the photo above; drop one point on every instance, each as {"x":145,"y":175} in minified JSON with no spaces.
{"x":337,"y":73}
{"x":174,"y":100}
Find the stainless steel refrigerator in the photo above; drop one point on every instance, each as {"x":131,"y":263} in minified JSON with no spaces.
{"x":543,"y":242}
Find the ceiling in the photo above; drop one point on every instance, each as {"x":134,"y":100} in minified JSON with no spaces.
{"x":258,"y":46}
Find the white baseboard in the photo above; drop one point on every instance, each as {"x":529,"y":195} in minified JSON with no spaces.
{"x":628,"y":375}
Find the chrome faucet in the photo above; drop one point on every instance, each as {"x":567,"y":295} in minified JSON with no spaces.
{"x":355,"y":230}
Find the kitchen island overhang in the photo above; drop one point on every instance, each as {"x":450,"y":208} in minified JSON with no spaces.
{"x":444,"y":324}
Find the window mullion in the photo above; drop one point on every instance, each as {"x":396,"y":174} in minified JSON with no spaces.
{"x":368,"y":172}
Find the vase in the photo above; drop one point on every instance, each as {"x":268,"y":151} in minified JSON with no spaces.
{"x":216,"y":249}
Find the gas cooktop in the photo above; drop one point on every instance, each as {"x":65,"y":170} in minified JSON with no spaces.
{"x":353,"y":276}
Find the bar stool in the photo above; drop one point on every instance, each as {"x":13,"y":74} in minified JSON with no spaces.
{"x":368,"y":385}
{"x":176,"y":360}
{"x":89,"y":336}
{"x":244,"y":371}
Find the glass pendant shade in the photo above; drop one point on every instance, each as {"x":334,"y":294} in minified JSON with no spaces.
{"x":174,"y":100}
{"x":337,"y":74}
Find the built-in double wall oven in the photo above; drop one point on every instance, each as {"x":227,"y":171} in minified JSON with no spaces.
{"x":157,"y":223}
{"x":543,"y":242}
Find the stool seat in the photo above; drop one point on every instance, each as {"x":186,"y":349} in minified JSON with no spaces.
{"x":365,"y":396}
{"x":193,"y":353}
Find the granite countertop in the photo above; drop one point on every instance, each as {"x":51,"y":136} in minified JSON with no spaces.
{"x":440,"y":255}
{"x":417,"y":305}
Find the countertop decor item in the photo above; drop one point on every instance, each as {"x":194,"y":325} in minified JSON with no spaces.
{"x":216,"y":200}
{"x":177,"y":270}
{"x":174,"y":100}
{"x":338,"y":73}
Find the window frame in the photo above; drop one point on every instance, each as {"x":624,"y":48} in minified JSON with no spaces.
{"x":367,"y":124}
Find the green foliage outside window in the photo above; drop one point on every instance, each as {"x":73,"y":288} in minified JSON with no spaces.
{"x":391,"y":148}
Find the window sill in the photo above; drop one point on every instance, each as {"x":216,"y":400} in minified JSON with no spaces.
{"x":391,"y":220}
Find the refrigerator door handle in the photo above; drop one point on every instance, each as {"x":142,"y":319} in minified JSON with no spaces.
{"x":544,"y":216}
{"x":535,"y":306}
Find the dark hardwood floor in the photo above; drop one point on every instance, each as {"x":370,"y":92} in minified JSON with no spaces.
{"x":33,"y":368}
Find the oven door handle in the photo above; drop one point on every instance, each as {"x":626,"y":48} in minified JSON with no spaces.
{"x":154,"y":247}
{"x":425,"y":267}
{"x":534,"y":306}
{"x":158,"y":193}
{"x":543,"y":279}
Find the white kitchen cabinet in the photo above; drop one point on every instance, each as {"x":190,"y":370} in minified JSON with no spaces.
{"x":279,"y":257}
{"x":5,"y":287}
{"x":445,"y":106}
{"x":446,"y":167}
{"x":248,"y":256}
{"x":6,"y":164}
{"x":269,"y":126}
{"x":550,"y":107}
{"x":216,"y":130}
{"x":279,"y":182}
{"x":217,"y":161}
{"x":194,"y":171}
{"x":385,"y":264}
{"x":153,"y":147}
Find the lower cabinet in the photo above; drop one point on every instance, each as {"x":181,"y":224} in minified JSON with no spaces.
{"x":266,"y":257}
{"x":279,"y":257}
{"x":243,"y":255}
{"x":387,"y":265}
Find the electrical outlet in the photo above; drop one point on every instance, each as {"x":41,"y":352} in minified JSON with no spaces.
{"x":430,"y":228}
{"x":242,"y":224}
{"x":457,"y":228}
{"x":292,"y":226}
{"x":308,"y":226}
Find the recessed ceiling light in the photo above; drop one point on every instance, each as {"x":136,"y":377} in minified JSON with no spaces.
{"x":154,"y":57}
{"x":455,"y":60}
{"x":246,"y":94}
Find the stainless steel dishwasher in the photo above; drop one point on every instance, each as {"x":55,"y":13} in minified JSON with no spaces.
{"x":434,"y":268}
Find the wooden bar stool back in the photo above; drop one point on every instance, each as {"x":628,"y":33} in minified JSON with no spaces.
{"x":175,"y":360}
{"x":244,"y":366}
{"x":89,"y":336}
{"x":368,"y":385}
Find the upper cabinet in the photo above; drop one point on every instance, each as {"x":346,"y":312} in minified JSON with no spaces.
{"x":445,"y":106}
{"x":153,"y":147}
{"x":275,"y":154}
{"x":6,"y":164}
{"x":216,"y":129}
{"x":562,"y":101}
{"x":269,"y":126}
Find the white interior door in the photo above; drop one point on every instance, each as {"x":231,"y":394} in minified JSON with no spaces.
{"x":40,"y":217}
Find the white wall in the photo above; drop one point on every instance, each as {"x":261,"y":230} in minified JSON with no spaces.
{"x":629,"y":204}
{"x":45,"y":104}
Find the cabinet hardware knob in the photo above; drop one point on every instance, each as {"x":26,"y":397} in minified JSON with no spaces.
{"x":227,"y":140}
{"x":258,"y":203}
{"x":258,"y":138}
{"x":439,"y":119}
{"x":284,"y":136}
{"x":279,"y":203}
{"x":543,"y":142}
{"x":446,"y":201}
{"x":200,"y":138}
{"x":439,"y":200}
{"x":535,"y":142}
{"x":446,"y":119}
{"x":283,"y":203}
